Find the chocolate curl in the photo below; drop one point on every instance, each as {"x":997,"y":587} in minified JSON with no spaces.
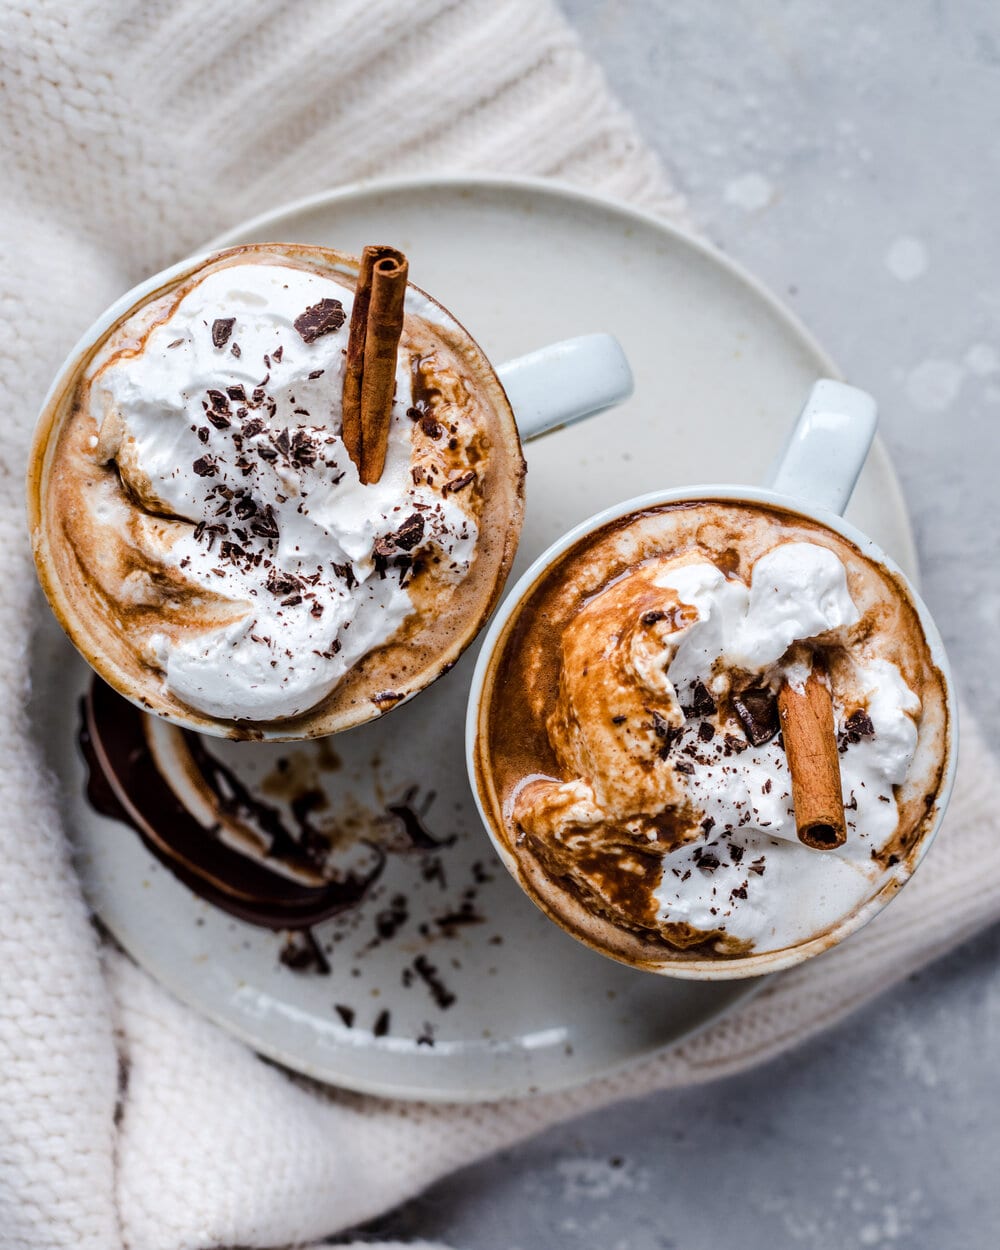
{"x":807,"y":728}
{"x":370,"y":371}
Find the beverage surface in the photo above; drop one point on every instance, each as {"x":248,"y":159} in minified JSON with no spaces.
{"x":207,"y":509}
{"x":638,"y":762}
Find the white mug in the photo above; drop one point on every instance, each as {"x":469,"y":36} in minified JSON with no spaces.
{"x":545,"y":390}
{"x":813,"y":477}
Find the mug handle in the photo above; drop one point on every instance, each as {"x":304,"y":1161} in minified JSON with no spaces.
{"x":824,"y":454}
{"x":565,"y":382}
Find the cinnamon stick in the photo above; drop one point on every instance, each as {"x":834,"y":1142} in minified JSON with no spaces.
{"x":355,"y":362}
{"x":370,"y":370}
{"x":810,"y":739}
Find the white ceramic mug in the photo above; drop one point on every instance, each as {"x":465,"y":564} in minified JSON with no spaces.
{"x":540,"y":392}
{"x":813,"y":477}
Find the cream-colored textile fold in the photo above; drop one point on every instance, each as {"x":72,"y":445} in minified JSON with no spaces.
{"x":131,"y":132}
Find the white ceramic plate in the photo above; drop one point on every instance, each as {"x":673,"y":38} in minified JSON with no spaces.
{"x":512,"y":1004}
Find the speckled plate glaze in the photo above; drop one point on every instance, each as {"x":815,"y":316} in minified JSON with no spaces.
{"x":446,"y":982}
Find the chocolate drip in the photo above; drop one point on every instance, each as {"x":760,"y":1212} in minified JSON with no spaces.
{"x":234,"y":800}
{"x":125,"y":784}
{"x":413,"y":825}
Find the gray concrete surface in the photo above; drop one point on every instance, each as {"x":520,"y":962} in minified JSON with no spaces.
{"x":849,"y":154}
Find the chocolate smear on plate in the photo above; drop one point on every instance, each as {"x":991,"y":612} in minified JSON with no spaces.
{"x":303,"y":953}
{"x":125,"y":784}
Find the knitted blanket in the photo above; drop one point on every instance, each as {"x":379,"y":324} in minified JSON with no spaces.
{"x":131,"y":132}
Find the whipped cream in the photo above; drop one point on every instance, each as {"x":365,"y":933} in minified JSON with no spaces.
{"x":226,"y":428}
{"x":654,"y":728}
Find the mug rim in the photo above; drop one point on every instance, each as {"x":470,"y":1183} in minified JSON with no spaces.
{"x":48,"y":424}
{"x":730,"y":967}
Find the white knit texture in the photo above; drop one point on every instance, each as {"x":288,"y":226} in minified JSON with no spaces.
{"x":131,"y":132}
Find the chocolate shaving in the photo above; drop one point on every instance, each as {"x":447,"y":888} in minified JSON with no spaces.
{"x":213,"y":531}
{"x":281,"y":583}
{"x":323,"y":318}
{"x":205,"y":466}
{"x":757,"y":709}
{"x":302,"y":953}
{"x":264,"y":525}
{"x":303,"y":450}
{"x":232,"y":552}
{"x":430,"y":427}
{"x":389,"y":921}
{"x":409,"y":534}
{"x":667,"y":733}
{"x":428,"y":973}
{"x":702,"y":704}
{"x":857,"y":726}
{"x":222,"y":328}
{"x":458,"y":483}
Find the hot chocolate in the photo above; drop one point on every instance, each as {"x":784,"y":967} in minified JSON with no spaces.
{"x":630,"y":752}
{"x":204,"y":534}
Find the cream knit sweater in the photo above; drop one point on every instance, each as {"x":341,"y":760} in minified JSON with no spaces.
{"x":131,"y":132}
